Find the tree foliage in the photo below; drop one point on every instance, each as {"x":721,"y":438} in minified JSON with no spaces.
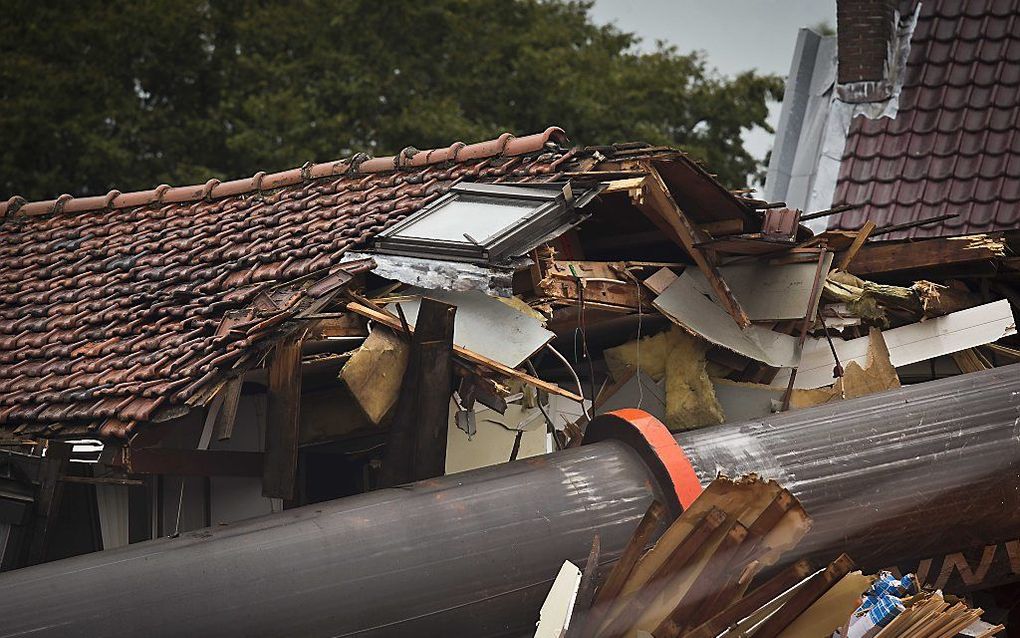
{"x":106,"y":94}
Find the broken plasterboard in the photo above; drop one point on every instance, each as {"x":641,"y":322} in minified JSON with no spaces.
{"x":484,"y":325}
{"x":683,"y":304}
{"x":907,"y":344}
{"x":769,"y":293}
{"x":554,"y":617}
{"x":649,"y":396}
{"x":494,"y":436}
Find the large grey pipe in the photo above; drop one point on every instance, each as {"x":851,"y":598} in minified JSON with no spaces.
{"x":885,"y":477}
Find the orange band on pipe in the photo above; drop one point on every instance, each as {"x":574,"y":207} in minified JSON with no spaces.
{"x":660,"y":440}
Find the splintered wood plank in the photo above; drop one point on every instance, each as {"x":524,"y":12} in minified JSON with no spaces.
{"x":283,"y":419}
{"x":418,"y":432}
{"x":628,"y":610}
{"x":755,"y":599}
{"x":631,"y":553}
{"x":611,"y":589}
{"x":585,"y":591}
{"x":660,"y":206}
{"x":885,"y":257}
{"x":851,"y":252}
{"x":227,"y":414}
{"x":701,"y":591}
{"x":806,"y":596}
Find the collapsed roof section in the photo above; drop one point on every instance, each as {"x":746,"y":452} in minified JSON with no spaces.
{"x":135,"y":307}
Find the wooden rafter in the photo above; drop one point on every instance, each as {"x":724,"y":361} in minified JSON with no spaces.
{"x":662,"y":209}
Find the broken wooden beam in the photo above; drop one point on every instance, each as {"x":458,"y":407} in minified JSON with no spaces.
{"x":858,"y":243}
{"x":894,"y":257}
{"x":227,"y":414}
{"x":282,"y":419}
{"x":416,"y":448}
{"x":47,"y":500}
{"x":662,"y":209}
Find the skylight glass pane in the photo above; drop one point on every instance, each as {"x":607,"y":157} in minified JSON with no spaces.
{"x":479,"y":218}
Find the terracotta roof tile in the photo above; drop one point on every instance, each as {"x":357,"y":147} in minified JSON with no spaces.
{"x":111,"y":306}
{"x":953,"y":146}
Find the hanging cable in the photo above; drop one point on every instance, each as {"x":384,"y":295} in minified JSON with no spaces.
{"x":577,"y":379}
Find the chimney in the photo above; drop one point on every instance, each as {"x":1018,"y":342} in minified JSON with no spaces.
{"x":865,"y":33}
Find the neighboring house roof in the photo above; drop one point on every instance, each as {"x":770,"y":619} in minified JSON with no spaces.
{"x":122,"y":308}
{"x":954,"y":145}
{"x":113,"y":307}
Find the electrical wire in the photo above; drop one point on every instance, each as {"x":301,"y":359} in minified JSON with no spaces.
{"x":577,"y":379}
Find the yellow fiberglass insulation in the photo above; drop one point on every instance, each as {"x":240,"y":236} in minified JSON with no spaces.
{"x":678,"y":357}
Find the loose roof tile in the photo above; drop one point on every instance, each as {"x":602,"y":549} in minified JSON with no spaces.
{"x":953,"y":146}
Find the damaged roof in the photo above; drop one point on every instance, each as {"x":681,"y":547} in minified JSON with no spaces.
{"x":953,"y":146}
{"x":116,"y":308}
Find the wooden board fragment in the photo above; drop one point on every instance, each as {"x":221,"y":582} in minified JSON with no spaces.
{"x":862,"y":236}
{"x":815,"y":588}
{"x":907,"y":344}
{"x":662,"y":209}
{"x":418,"y":432}
{"x":227,"y":414}
{"x":375,"y":371}
{"x":759,"y":597}
{"x":831,"y":611}
{"x":889,"y":257}
{"x":282,"y":419}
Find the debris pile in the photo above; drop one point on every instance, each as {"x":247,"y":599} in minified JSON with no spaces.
{"x":713,"y":573}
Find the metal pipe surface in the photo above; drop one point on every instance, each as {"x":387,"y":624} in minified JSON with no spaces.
{"x":931,"y":466}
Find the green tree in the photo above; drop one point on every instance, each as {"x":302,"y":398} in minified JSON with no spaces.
{"x":100,"y":95}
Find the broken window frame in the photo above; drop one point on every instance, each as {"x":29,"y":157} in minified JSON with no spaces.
{"x":554,"y":212}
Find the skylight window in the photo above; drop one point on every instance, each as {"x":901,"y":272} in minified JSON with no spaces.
{"x":483,"y":223}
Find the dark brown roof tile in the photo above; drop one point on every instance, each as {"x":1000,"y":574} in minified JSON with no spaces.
{"x":953,"y":146}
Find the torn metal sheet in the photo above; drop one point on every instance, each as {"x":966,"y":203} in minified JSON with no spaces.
{"x":769,"y":293}
{"x":686,"y":306}
{"x":907,"y":344}
{"x":485,"y":326}
{"x":436,"y":274}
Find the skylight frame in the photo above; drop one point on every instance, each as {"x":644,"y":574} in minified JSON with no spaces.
{"x":553,"y":213}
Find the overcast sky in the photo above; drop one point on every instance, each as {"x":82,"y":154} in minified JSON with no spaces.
{"x":736,"y":35}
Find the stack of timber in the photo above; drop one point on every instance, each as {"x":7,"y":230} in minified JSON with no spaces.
{"x":709,"y":575}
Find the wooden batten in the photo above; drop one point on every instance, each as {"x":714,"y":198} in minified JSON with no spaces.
{"x":282,"y":419}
